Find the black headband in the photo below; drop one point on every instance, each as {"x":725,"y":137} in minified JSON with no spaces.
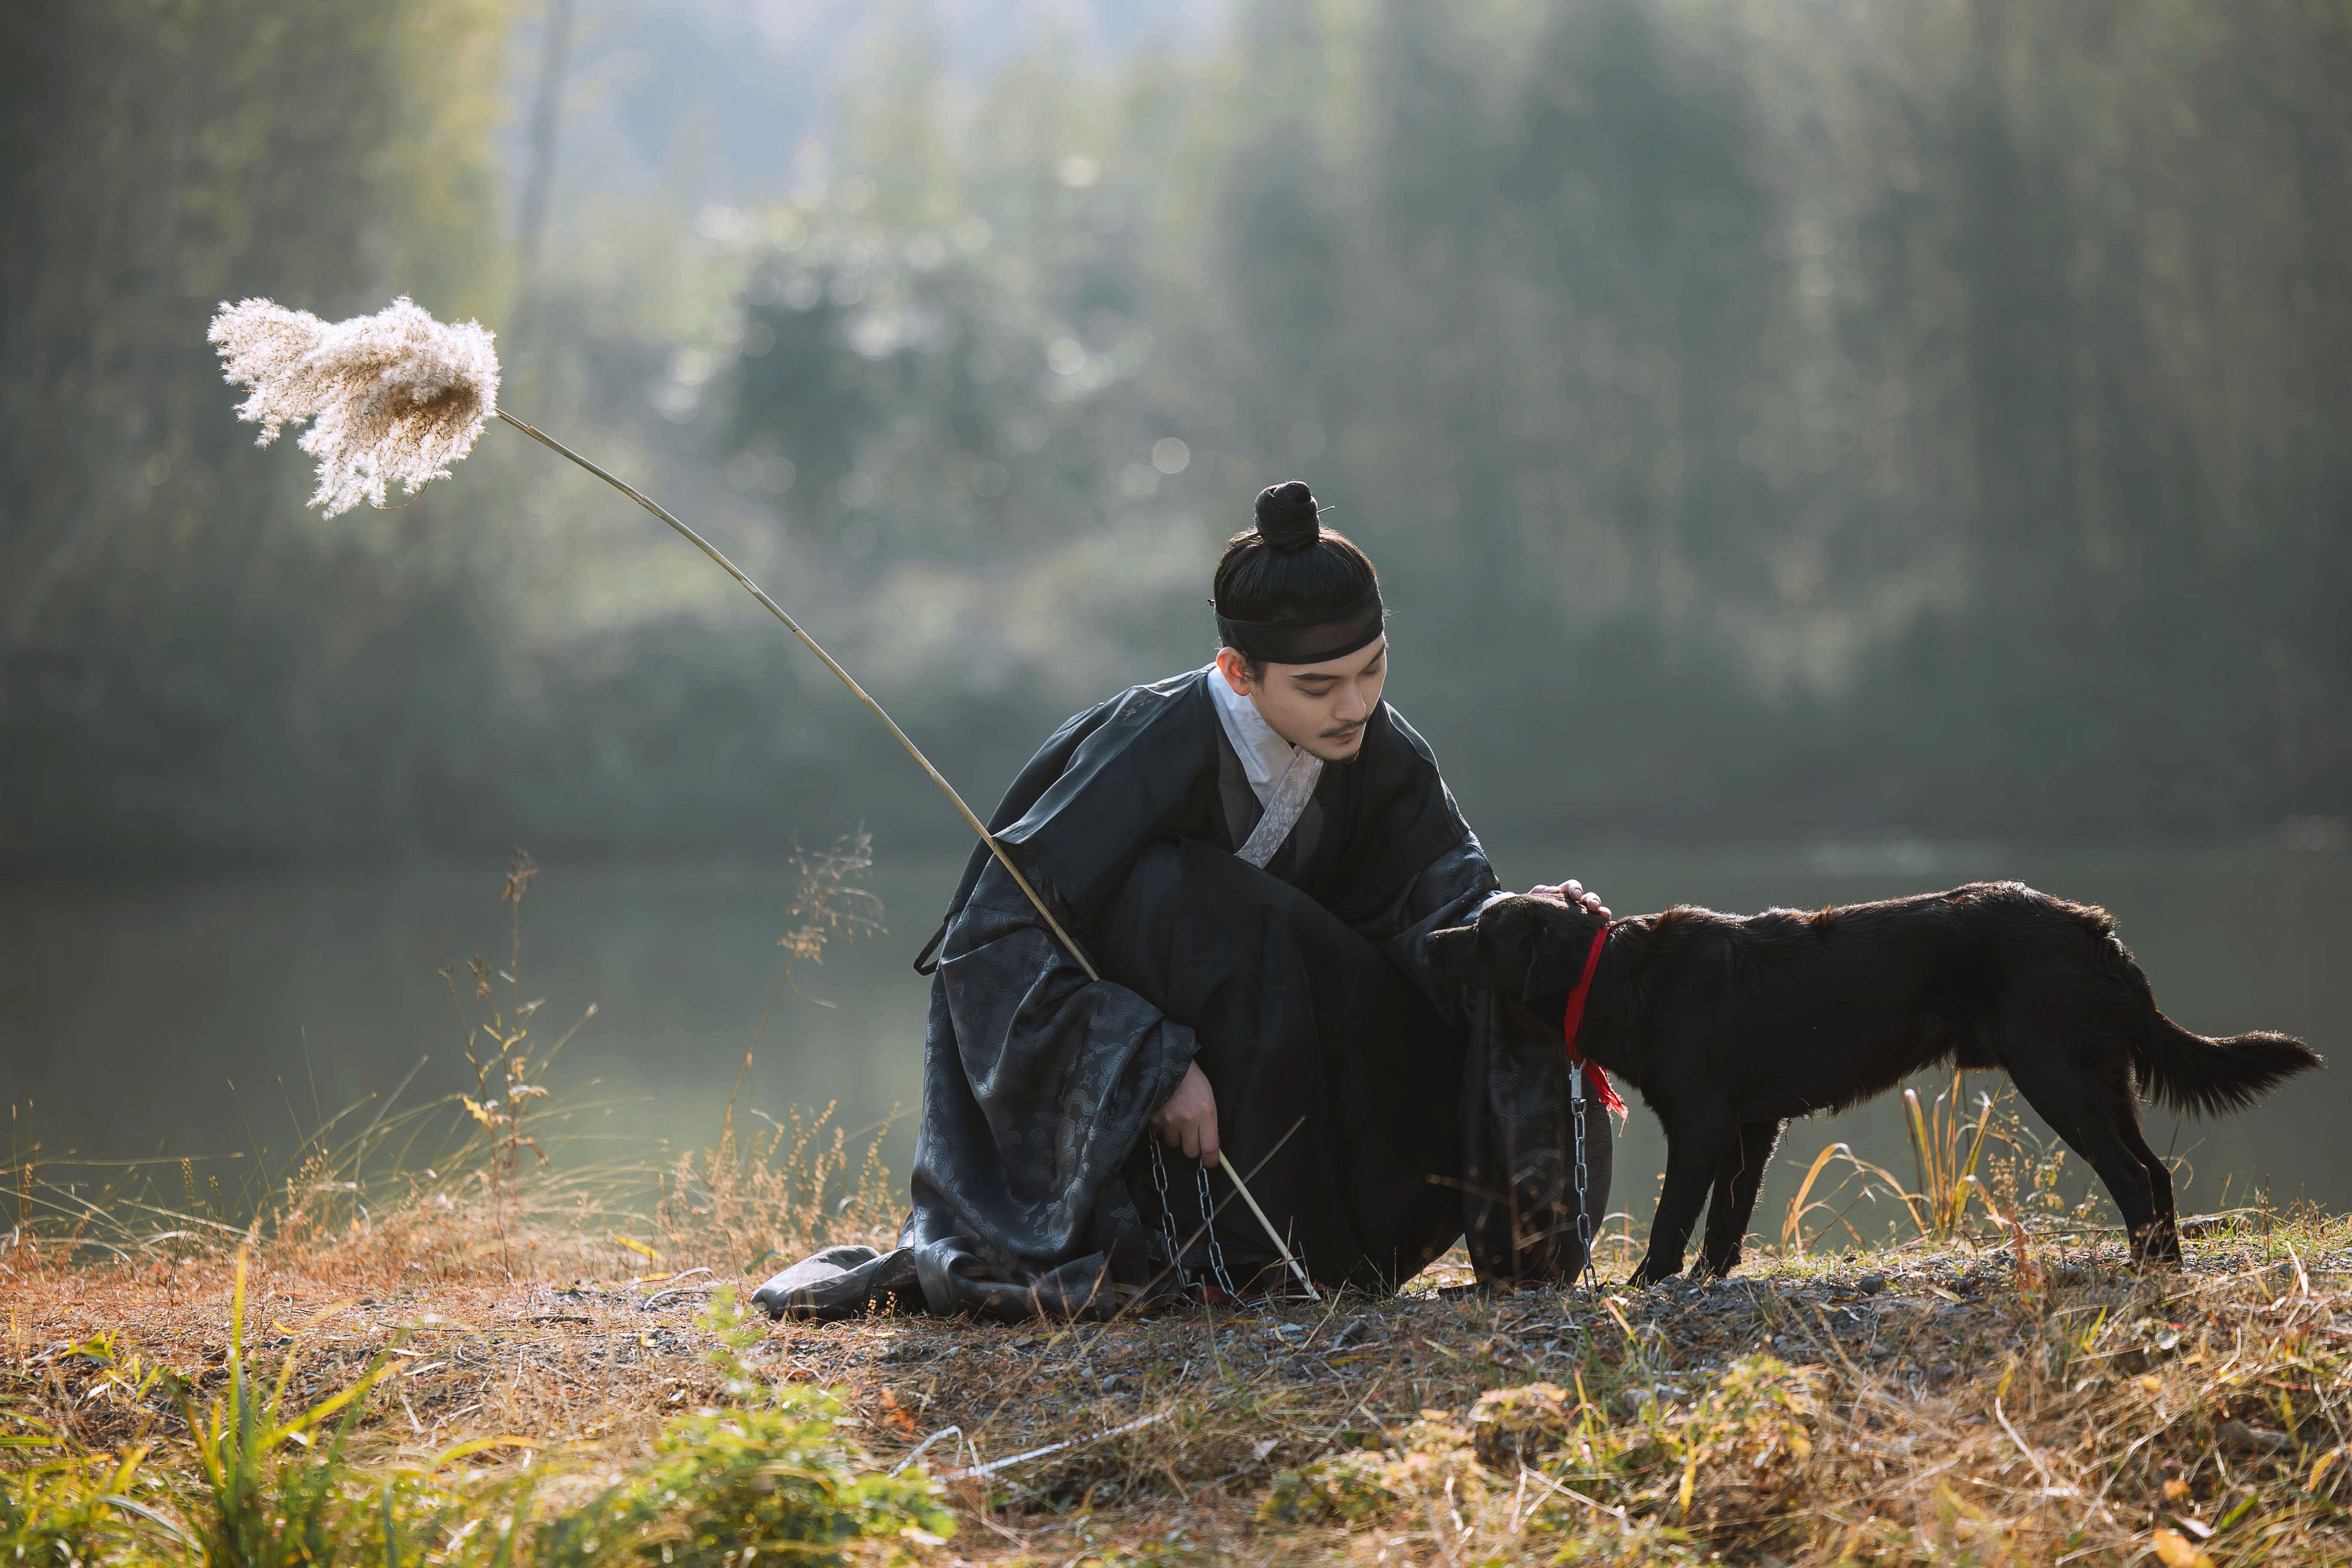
{"x":1307,"y":640}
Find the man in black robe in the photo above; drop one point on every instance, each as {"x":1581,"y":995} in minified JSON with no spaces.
{"x":1251,"y":857}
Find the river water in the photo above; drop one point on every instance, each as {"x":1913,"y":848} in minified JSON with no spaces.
{"x":208,"y":1017}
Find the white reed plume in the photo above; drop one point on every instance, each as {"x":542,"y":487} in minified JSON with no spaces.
{"x":395,"y":396}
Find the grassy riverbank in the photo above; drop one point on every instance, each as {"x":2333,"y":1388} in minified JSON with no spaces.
{"x":468,"y":1333}
{"x":1920,"y":1405}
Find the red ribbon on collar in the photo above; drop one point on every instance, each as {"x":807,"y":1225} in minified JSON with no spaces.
{"x":1575,"y":1022}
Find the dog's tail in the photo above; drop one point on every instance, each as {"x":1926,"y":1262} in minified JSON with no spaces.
{"x":2185,"y":1070}
{"x":2191,"y":1072}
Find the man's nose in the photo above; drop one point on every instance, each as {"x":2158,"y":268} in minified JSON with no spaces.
{"x":1351,"y":707}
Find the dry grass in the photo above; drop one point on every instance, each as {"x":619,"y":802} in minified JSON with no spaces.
{"x":1912,"y":1406}
{"x":563,"y":1329}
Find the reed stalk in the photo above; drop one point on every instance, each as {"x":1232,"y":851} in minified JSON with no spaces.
{"x":831,"y":663}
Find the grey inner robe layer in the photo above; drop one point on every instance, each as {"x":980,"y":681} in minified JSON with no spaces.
{"x":1312,"y":999}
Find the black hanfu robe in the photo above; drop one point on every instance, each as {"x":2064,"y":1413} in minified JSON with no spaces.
{"x":1351,"y":1087}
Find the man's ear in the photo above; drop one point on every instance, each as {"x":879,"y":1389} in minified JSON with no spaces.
{"x":1233,"y":670}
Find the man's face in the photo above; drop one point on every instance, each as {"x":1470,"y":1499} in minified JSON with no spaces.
{"x":1322,"y":707}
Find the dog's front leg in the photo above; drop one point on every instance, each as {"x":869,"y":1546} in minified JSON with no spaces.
{"x":1693,"y":1152}
{"x":1735,"y":1183}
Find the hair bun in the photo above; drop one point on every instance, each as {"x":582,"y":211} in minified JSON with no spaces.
{"x":1287,"y":517}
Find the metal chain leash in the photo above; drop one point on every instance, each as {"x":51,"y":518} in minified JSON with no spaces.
{"x":1209,"y":1223}
{"x":1167,"y":1218}
{"x":1586,"y":1273}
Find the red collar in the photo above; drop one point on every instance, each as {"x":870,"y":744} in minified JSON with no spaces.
{"x":1575,"y":1022}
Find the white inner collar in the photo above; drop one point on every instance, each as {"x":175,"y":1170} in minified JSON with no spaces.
{"x":1266,"y":756}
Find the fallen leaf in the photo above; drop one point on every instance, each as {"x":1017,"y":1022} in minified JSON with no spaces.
{"x":2174,"y":1550}
{"x":2152,"y":1385}
{"x":2175,"y":1490}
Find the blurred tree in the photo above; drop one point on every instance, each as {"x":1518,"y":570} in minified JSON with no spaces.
{"x":181,"y":666}
{"x":1771,"y":418}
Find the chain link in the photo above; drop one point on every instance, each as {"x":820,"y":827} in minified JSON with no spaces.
{"x":1209,"y":1223}
{"x":1586,"y":1273}
{"x":1168,"y":1216}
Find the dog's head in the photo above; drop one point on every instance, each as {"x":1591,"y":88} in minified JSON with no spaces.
{"x":1520,"y":945}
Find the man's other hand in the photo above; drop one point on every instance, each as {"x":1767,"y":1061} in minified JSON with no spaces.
{"x":1188,"y":1118}
{"x":1572,"y":892}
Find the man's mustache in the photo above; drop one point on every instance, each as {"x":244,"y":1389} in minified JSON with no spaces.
{"x":1343,"y":730}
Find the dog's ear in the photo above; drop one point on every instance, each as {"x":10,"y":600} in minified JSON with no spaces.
{"x":1550,"y":940}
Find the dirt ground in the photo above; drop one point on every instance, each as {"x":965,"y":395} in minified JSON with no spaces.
{"x":1933,"y":1401}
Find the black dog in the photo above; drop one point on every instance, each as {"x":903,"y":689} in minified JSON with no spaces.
{"x":1729,"y":1027}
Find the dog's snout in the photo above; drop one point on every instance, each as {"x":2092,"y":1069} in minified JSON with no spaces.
{"x":1453,"y":953}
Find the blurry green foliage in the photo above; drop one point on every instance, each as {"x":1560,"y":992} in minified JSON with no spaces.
{"x":1769,"y":419}
{"x":183,"y":665}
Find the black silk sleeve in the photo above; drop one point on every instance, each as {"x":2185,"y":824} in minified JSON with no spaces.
{"x":1037,"y":1082}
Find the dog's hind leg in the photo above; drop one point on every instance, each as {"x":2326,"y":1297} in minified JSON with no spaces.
{"x":1692,"y":1155}
{"x":1738,"y":1177}
{"x":2163,"y":1242}
{"x":2097,"y":1122}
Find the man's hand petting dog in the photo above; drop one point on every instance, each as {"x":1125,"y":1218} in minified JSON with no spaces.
{"x":1187,"y":1118}
{"x":1570,"y":892}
